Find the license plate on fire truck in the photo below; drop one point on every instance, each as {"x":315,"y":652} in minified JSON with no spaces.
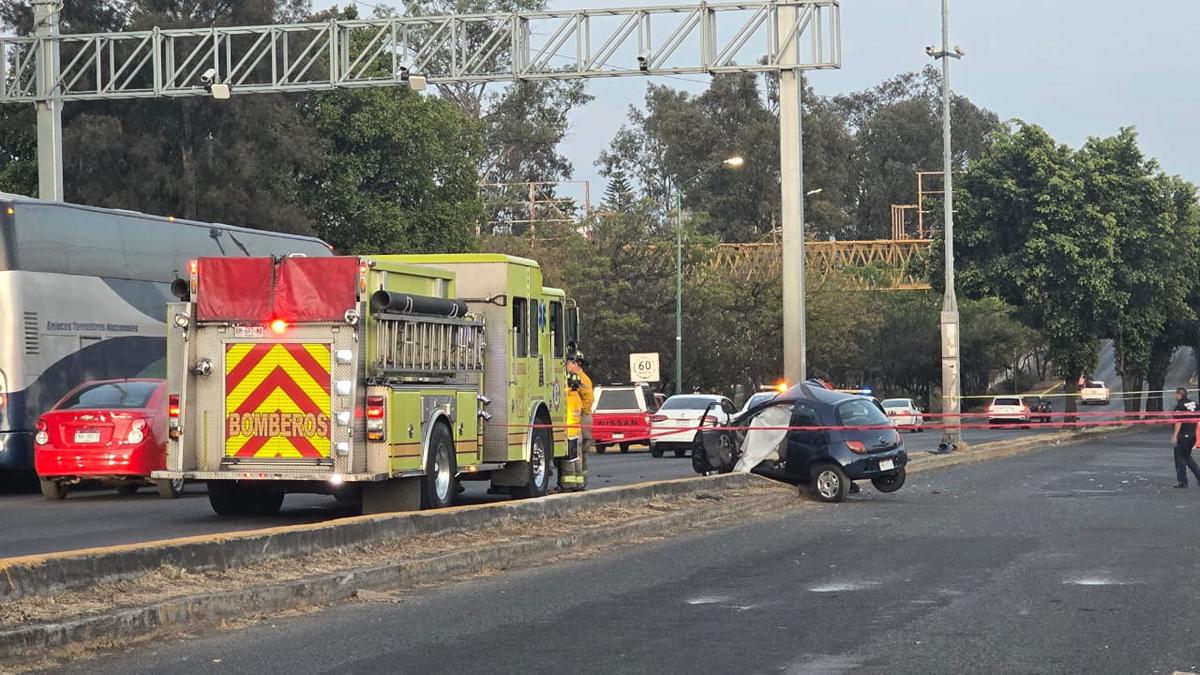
{"x":248,"y":331}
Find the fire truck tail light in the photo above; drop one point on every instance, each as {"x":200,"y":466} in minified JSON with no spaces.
{"x":376,"y":418}
{"x":279,"y":326}
{"x":193,"y":276}
{"x":173,"y":430}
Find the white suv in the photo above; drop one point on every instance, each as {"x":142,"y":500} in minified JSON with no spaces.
{"x":1007,"y":409}
{"x":1094,"y":392}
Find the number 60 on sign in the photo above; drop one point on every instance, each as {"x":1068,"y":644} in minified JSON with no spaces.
{"x":643,"y":367}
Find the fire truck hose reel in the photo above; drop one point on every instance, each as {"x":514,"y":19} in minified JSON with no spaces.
{"x":404,"y":303}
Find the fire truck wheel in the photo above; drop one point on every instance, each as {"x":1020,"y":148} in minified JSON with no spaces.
{"x":624,"y":447}
{"x":260,"y":500}
{"x":223,"y":497}
{"x":437,"y":487}
{"x":601,"y":449}
{"x":539,"y":466}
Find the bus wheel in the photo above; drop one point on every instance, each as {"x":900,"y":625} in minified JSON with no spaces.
{"x":540,"y":450}
{"x":223,"y":497}
{"x":53,"y":489}
{"x":438,"y":485}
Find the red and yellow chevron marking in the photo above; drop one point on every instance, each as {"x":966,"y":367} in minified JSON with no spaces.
{"x":277,"y":400}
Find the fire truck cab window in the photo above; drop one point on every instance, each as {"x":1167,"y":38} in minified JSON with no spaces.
{"x":535,"y":323}
{"x":520,"y":327}
{"x":556,"y":329}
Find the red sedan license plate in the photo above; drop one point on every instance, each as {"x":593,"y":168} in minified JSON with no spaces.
{"x":87,"y":436}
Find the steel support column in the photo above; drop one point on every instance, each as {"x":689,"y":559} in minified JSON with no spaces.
{"x":791,"y":185}
{"x":49,"y":109}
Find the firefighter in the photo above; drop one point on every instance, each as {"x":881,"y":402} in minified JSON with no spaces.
{"x":572,"y":473}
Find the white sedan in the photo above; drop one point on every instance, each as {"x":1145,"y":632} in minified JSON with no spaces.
{"x":1094,"y":392}
{"x":903,"y":412}
{"x":674,"y":426}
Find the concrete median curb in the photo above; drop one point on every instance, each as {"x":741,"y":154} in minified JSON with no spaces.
{"x":55,"y":572}
{"x":209,"y":609}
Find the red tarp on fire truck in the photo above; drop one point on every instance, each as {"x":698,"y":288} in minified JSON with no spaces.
{"x":261,"y":290}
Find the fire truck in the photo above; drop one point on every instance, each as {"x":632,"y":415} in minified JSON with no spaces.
{"x":383,"y":378}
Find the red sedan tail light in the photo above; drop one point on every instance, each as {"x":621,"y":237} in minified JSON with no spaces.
{"x":42,"y":437}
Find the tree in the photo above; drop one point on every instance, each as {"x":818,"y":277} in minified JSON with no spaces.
{"x":618,"y":194}
{"x":236,"y":161}
{"x":897,"y":129}
{"x":399,"y":174}
{"x":1028,"y":235}
{"x":1155,"y":266}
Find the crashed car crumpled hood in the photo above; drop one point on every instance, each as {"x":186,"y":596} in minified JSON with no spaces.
{"x":763,"y":439}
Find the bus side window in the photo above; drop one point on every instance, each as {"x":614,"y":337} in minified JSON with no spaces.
{"x":520,"y":326}
{"x":535,"y":320}
{"x":556,"y":329}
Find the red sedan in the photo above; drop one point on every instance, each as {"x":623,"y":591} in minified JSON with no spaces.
{"x":108,"y":431}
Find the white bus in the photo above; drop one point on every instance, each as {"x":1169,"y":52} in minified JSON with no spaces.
{"x":83,"y":295}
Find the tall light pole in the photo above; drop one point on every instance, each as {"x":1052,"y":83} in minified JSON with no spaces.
{"x":732,"y":163}
{"x":951,"y":377}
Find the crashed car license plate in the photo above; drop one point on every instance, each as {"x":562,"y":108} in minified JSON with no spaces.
{"x":886,"y":465}
{"x":87,"y":436}
{"x":618,"y":435}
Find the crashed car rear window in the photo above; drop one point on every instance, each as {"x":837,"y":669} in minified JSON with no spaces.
{"x":688,"y":403}
{"x":860,"y":413}
{"x":1008,"y":401}
{"x":618,"y":399}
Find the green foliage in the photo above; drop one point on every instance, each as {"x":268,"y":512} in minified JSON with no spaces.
{"x":399,"y":174}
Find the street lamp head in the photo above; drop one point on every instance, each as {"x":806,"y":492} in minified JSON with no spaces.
{"x":735,"y":162}
{"x":929,"y":50}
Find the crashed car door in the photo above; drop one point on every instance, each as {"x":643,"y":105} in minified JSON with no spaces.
{"x":765,"y":436}
{"x":803,"y":444}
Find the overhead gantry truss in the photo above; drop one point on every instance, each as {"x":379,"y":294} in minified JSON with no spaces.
{"x":663,"y":40}
{"x":886,"y":264}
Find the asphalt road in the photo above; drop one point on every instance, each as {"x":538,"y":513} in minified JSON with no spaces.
{"x":1075,"y":560}
{"x":102,"y":518}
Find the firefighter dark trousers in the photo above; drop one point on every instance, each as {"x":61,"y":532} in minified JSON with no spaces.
{"x":1184,"y":461}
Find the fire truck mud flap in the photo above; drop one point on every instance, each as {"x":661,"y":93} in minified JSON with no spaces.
{"x":394,"y":494}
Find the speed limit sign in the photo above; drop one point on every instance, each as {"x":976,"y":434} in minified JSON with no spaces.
{"x":643,"y":367}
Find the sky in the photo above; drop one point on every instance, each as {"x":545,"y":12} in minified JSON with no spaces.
{"x":1078,"y":68}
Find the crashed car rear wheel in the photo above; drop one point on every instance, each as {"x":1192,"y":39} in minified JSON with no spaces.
{"x":889,"y":483}
{"x":830,"y":483}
